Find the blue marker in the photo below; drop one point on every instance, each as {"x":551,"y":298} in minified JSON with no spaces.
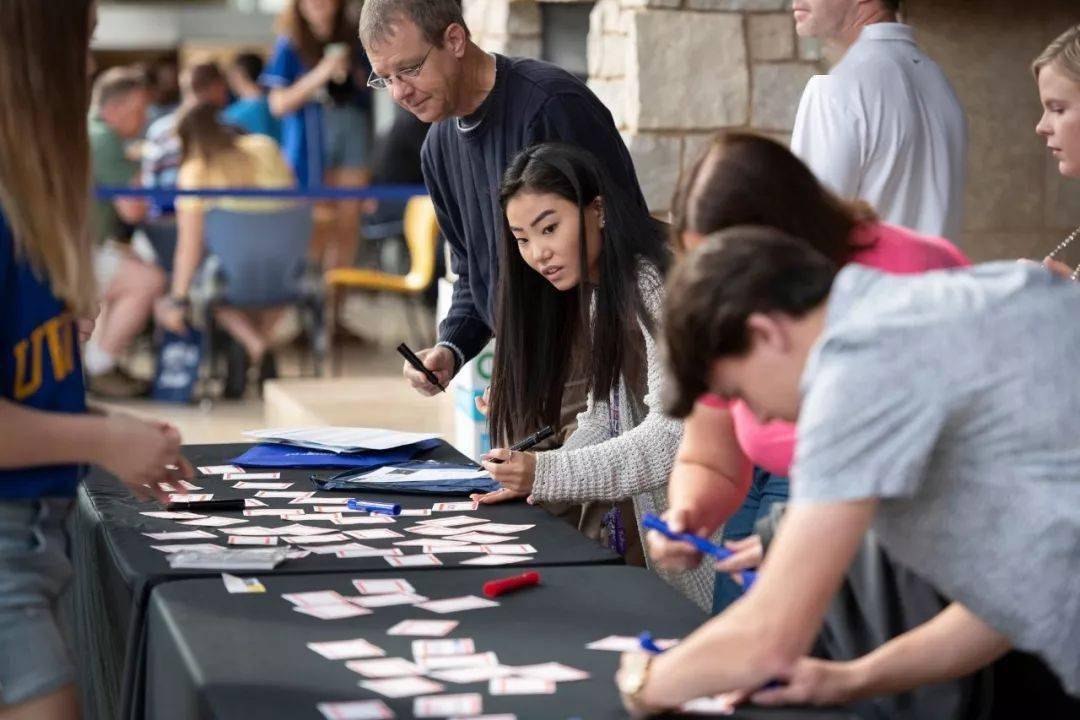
{"x":374,"y":507}
{"x":652,"y":522}
{"x":649,"y":645}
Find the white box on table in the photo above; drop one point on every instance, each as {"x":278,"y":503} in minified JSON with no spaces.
{"x":470,"y":427}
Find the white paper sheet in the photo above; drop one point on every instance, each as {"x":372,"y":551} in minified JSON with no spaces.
{"x":340,"y":439}
{"x":346,"y":649}
{"x":390,"y":474}
{"x":356,"y":710}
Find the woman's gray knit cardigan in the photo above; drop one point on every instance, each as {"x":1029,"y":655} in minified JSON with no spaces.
{"x":634,"y":462}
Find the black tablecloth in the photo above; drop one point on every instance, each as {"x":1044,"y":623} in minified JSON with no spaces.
{"x":116,"y":567}
{"x":233,"y":657}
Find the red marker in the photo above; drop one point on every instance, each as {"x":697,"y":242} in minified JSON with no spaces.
{"x":495,"y":588}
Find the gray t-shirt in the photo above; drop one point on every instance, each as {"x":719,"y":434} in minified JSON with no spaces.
{"x":954,"y":397}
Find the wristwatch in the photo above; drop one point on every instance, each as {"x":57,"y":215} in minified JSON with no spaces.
{"x":634,"y":676}
{"x":183,"y":303}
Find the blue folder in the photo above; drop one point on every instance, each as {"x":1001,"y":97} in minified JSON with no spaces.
{"x":276,"y":455}
{"x":352,"y":480}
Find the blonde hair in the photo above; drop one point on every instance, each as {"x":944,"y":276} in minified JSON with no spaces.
{"x":1065,"y":51}
{"x":44,"y":146}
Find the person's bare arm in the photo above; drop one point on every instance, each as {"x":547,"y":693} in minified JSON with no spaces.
{"x":286,"y":100}
{"x":189,"y":249}
{"x":762,"y":636}
{"x":72,"y":438}
{"x":142,"y":454}
{"x":707,"y":485}
{"x":711,"y":471}
{"x":952,"y":644}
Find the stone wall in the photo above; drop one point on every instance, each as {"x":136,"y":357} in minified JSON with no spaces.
{"x":508,"y":27}
{"x":674,"y":71}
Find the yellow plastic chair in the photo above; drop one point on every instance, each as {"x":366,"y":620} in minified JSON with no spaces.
{"x":421,"y":238}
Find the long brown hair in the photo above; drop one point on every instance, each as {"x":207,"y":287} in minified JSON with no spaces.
{"x":537,"y":327}
{"x":44,"y":145}
{"x":291,"y":24}
{"x":202,"y":134}
{"x":744,"y":178}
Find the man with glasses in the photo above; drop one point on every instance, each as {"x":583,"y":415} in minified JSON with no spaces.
{"x":485,"y":108}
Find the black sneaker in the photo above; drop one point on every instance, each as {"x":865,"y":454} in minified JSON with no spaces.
{"x":268,"y":368}
{"x":236,"y":370}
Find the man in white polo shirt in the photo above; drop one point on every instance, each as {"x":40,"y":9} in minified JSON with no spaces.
{"x":885,"y":125}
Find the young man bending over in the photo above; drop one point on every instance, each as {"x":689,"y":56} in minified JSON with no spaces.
{"x":941,"y":409}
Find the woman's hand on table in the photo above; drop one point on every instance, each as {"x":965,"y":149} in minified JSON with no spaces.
{"x":497,"y":496}
{"x":513,"y":469}
{"x":143,"y":455}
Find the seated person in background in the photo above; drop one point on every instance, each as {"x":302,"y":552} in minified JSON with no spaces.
{"x":581,"y":277}
{"x":939,"y":408}
{"x":165,"y":79}
{"x":128,"y":285}
{"x":251,"y":110}
{"x":202,"y":83}
{"x":397,"y":156}
{"x":396,"y":161}
{"x":216,"y":155}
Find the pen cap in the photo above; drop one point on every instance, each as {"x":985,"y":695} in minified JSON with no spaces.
{"x":495,"y":588}
{"x":375,"y":507}
{"x":652,"y":522}
{"x":409,"y":355}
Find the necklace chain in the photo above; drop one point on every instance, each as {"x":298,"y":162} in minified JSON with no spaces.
{"x":1064,"y":244}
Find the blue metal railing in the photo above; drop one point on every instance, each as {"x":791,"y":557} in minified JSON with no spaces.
{"x":374,"y":192}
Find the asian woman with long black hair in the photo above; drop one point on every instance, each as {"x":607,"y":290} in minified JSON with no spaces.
{"x":581,"y":281}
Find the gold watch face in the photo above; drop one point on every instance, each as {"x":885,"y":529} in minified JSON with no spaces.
{"x":632,"y":678}
{"x":632,"y":682}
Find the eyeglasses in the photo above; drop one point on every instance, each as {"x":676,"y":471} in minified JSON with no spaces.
{"x":378,"y":82}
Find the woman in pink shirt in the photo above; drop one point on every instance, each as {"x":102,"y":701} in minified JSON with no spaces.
{"x":730,"y":467}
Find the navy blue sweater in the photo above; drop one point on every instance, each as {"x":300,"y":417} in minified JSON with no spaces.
{"x":532,"y":102}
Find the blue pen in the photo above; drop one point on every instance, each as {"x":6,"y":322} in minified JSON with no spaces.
{"x":652,"y":522}
{"x":374,"y":507}
{"x":649,"y":645}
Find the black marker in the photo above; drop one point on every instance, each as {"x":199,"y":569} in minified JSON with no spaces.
{"x":417,"y":363}
{"x":223,"y":505}
{"x":530,"y":442}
